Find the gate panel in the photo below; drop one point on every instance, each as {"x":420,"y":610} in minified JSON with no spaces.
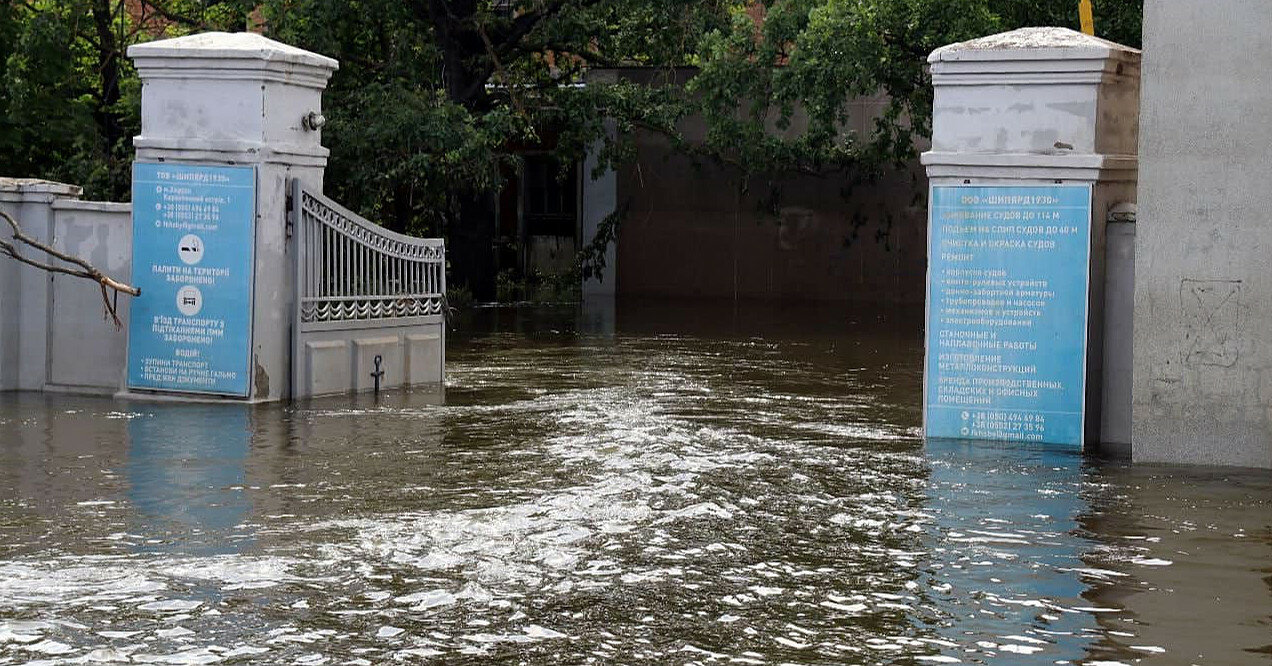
{"x":363,"y":292}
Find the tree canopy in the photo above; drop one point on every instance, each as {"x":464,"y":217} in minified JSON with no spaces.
{"x":435,"y":96}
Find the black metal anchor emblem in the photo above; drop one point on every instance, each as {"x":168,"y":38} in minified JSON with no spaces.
{"x":379,"y":373}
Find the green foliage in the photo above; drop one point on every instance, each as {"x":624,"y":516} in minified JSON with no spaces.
{"x":69,"y":98}
{"x":1116,"y":20}
{"x":539,"y":288}
{"x":779,"y":99}
{"x":435,"y":99}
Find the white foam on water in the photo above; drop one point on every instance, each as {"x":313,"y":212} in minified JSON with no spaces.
{"x":244,"y":651}
{"x":389,"y":632}
{"x":171,"y":605}
{"x":194,"y":657}
{"x":543,"y":633}
{"x":9,"y":636}
{"x":63,"y":580}
{"x":847,"y":608}
{"x":106,"y":656}
{"x":1025,"y":639}
{"x":428,"y":599}
{"x":49,"y":646}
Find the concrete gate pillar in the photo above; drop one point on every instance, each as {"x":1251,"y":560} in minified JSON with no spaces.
{"x":222,"y":100}
{"x":1048,"y":114}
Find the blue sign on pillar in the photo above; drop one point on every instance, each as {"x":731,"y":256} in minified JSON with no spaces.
{"x":193,"y":240}
{"x":1008,"y":277}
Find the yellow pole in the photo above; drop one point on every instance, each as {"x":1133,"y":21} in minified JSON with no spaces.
{"x":1088,"y":17}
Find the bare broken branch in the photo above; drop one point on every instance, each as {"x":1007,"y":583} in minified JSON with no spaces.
{"x":86,"y":270}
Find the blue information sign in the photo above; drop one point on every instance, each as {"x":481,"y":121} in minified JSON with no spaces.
{"x":1008,"y":275}
{"x":193,"y":241}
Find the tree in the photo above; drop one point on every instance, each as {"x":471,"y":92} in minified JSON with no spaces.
{"x":436,"y":99}
{"x":69,"y":98}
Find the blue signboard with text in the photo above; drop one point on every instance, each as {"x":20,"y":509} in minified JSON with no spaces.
{"x":1008,"y":277}
{"x":193,"y":240}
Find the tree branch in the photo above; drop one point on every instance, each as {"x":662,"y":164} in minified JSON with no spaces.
{"x":87,"y":271}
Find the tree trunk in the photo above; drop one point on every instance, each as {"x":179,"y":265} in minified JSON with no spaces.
{"x":107,"y":117}
{"x":465,"y":73}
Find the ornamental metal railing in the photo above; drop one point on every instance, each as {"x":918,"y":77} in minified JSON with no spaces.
{"x":351,"y":270}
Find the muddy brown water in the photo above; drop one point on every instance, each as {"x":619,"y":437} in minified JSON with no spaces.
{"x":675,"y":484}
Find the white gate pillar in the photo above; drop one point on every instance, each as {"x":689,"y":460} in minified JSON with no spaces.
{"x":1034,"y":142}
{"x":230,"y":100}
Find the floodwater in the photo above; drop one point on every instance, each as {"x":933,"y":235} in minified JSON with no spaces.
{"x":674,"y":485}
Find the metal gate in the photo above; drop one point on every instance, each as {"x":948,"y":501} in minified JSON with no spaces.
{"x":369,"y":302}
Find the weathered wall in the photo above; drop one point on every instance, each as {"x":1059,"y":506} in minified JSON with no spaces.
{"x":78,"y":327}
{"x":1203,"y":304}
{"x":9,"y":294}
{"x":27,"y":290}
{"x":689,"y":232}
{"x":53,"y":333}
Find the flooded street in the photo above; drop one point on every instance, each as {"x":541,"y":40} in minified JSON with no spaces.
{"x":680,"y":485}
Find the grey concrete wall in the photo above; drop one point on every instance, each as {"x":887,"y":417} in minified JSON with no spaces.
{"x":24,"y":329}
{"x":600,"y":198}
{"x":8,"y":324}
{"x":53,"y":330}
{"x":1203,"y":303}
{"x":86,"y":351}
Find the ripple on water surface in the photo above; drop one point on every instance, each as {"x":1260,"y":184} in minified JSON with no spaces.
{"x":715,"y":496}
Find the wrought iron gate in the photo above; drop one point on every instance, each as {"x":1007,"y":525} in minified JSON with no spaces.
{"x":362,"y":291}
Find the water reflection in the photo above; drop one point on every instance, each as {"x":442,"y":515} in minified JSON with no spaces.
{"x":688,"y":484}
{"x":1006,"y":571}
{"x":186,"y":473}
{"x":1194,"y":550}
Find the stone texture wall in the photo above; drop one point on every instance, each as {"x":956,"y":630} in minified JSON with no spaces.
{"x":1203,"y":303}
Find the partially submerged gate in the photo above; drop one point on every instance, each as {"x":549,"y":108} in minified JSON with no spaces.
{"x":368,"y":301}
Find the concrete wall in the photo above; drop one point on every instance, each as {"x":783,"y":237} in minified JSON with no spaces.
{"x":599,"y":199}
{"x":53,"y":332}
{"x":689,"y":230}
{"x":1203,"y":304}
{"x":78,"y":327}
{"x":23,"y":352}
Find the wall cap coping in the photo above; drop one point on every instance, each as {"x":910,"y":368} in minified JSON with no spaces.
{"x":38,"y":186}
{"x":1040,"y":43}
{"x":1079,"y":160}
{"x":95,"y":206}
{"x":233,"y":45}
{"x":1093,"y":168}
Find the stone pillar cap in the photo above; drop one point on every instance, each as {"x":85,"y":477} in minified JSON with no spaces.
{"x":237,"y":45}
{"x":38,"y":186}
{"x":1033,"y":44}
